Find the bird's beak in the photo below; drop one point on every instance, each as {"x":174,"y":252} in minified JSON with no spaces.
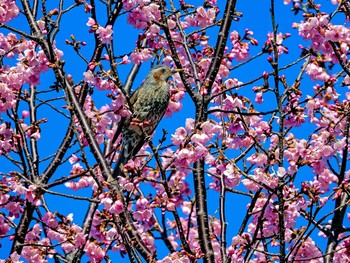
{"x":177,"y":70}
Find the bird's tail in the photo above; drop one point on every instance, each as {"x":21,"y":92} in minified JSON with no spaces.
{"x":130,"y":142}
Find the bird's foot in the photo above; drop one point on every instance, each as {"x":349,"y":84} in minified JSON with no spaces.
{"x":137,"y":122}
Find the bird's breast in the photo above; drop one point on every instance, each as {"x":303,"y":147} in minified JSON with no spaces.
{"x":151,"y":106}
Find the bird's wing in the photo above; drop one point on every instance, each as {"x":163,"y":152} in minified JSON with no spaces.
{"x":124,"y":120}
{"x":135,"y":96}
{"x":131,"y":139}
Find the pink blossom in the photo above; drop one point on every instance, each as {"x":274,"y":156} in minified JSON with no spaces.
{"x":338,"y":33}
{"x":189,"y":124}
{"x":171,"y":23}
{"x":31,"y":254}
{"x":8,"y":98}
{"x":232,"y":176}
{"x":139,"y":56}
{"x":89,"y":77}
{"x":94,"y":251}
{"x":73,"y":159}
{"x":174,"y":106}
{"x":144,"y":212}
{"x":202,"y":18}
{"x":204,"y":65}
{"x":141,"y":15}
{"x":117,"y":207}
{"x":106,"y":201}
{"x":15,"y":258}
{"x":91,"y":22}
{"x":170,"y":206}
{"x":50,"y":220}
{"x":8,"y":10}
{"x":187,"y":207}
{"x":232,"y":103}
{"x":183,"y":158}
{"x":259,"y":176}
{"x":190,"y":21}
{"x":77,"y":169}
{"x":118,"y":102}
{"x":258,"y":159}
{"x":14,"y":208}
{"x":240,"y":49}
{"x":281,"y":171}
{"x":347,"y":81}
{"x":4,"y":227}
{"x":125,"y":60}
{"x":309,"y":249}
{"x":129,"y":4}
{"x":279,"y":39}
{"x":259,"y":97}
{"x":200,"y":138}
{"x":83,"y":182}
{"x":200,"y":151}
{"x":112,"y":233}
{"x":153,"y":32}
{"x":105,"y":34}
{"x":320,"y":31}
{"x":175,"y":257}
{"x":326,"y":178}
{"x":309,"y":29}
{"x":316,"y":72}
{"x":231,"y":83}
{"x":32,"y":196}
{"x":6,"y":138}
{"x":340,"y":144}
{"x":205,"y":17}
{"x":25,"y":114}
{"x":42,"y":26}
{"x":179,"y":137}
{"x":342,"y":253}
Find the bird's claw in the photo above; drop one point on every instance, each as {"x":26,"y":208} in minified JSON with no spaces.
{"x":139,"y":123}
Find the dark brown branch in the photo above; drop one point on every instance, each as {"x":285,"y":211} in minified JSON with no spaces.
{"x":167,"y":190}
{"x":174,"y":51}
{"x":222,"y":209}
{"x":33,"y":142}
{"x":221,"y":43}
{"x":202,"y":213}
{"x":281,"y":180}
{"x":22,"y":228}
{"x":338,"y":216}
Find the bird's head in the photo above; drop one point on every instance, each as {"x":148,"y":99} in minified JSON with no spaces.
{"x":161,"y":73}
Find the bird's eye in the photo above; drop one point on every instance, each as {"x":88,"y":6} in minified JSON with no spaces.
{"x":163,"y":70}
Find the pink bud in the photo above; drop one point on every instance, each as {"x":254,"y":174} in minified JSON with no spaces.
{"x":106,"y":57}
{"x":25,"y":114}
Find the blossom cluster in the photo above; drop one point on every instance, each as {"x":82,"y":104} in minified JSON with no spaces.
{"x":8,"y":10}
{"x":31,"y":64}
{"x":323,"y":34}
{"x":105,"y":34}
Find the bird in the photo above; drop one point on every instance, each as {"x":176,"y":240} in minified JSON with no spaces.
{"x":148,"y":105}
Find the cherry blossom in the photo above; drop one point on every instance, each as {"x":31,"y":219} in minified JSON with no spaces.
{"x":105,"y":34}
{"x":8,"y":10}
{"x":139,"y":56}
